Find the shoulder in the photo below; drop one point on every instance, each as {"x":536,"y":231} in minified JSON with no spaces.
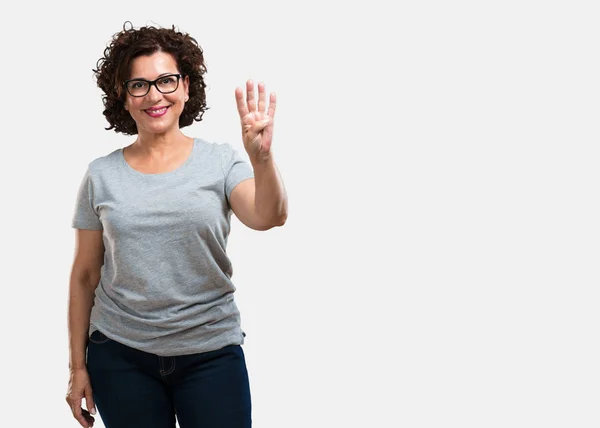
{"x":212,"y":146}
{"x":105,"y":163}
{"x":214,"y":152}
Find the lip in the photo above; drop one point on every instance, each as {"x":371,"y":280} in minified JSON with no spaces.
{"x":157,"y":111}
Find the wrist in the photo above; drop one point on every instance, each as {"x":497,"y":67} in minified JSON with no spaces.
{"x":77,"y":364}
{"x":261,"y":161}
{"x":77,"y":367}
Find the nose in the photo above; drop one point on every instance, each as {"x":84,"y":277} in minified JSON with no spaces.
{"x":154,"y":94}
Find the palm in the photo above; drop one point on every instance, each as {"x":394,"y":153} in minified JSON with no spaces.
{"x":256,"y":120}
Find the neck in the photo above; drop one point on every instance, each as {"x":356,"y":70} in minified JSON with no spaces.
{"x":161,"y":144}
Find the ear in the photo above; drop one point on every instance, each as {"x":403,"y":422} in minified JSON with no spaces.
{"x":186,"y":87}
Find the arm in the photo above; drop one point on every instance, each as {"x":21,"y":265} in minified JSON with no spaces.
{"x":261,"y":202}
{"x":85,"y":275}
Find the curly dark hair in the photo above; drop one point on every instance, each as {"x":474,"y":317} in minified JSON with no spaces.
{"x":115,"y":67}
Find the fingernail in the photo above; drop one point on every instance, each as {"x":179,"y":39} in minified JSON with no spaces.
{"x":93,"y":411}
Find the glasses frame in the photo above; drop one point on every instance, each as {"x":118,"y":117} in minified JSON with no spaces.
{"x":153,"y":83}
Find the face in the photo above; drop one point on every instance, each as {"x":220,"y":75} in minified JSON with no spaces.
{"x":156,"y":113}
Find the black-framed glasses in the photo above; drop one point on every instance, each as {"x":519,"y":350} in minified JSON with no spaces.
{"x":165,"y":84}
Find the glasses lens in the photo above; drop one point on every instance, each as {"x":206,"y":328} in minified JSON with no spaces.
{"x":167,"y":84}
{"x":137,"y":88}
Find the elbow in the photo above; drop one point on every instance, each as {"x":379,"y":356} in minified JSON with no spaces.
{"x":283,"y":214}
{"x":280,"y":221}
{"x":275,"y":222}
{"x":268,"y":221}
{"x":281,"y":218}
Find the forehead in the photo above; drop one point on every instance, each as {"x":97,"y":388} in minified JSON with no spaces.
{"x":151,"y":66}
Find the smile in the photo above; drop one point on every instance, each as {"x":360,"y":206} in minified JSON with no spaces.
{"x":156,"y":112}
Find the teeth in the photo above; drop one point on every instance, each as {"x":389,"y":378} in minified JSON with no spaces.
{"x":157,"y":111}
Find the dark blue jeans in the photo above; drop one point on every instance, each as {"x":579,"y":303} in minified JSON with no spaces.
{"x":134,"y":389}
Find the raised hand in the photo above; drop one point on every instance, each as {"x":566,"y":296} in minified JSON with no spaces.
{"x":256,"y":120}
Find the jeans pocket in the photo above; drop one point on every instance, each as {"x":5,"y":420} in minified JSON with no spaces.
{"x":98,"y":338}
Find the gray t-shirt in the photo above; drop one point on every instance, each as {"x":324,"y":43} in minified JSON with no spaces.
{"x":165,"y":285}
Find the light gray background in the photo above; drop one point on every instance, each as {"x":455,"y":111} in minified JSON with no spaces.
{"x":439,"y":266}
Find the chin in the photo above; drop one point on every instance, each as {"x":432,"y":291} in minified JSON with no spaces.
{"x":159,"y":128}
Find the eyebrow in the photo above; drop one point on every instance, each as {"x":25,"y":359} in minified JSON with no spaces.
{"x":148,"y":80}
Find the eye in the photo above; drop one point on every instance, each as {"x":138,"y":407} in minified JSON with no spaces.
{"x":138,"y":84}
{"x":167,"y":80}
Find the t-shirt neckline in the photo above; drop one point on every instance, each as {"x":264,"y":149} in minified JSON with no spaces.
{"x":180,"y":168}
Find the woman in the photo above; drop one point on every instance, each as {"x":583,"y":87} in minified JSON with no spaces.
{"x":154,"y":331}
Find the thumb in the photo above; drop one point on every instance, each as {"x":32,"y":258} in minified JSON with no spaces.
{"x":89,"y":400}
{"x":257,"y":126}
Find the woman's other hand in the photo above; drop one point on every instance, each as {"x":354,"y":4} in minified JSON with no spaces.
{"x":79,"y":388}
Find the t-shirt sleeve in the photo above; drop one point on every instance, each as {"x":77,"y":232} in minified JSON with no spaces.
{"x":86,"y":216}
{"x":235,"y":168}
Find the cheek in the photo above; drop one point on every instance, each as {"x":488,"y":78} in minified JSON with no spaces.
{"x":131,"y":103}
{"x":133,"y":107}
{"x":176,"y":99}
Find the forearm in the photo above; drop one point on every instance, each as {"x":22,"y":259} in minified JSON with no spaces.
{"x":270,"y":197}
{"x":81,"y":300}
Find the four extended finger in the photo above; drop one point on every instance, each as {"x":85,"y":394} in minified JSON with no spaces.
{"x":262,"y":100}
{"x":250,"y":126}
{"x":241,"y":103}
{"x":250,"y":96}
{"x":272,"y":105}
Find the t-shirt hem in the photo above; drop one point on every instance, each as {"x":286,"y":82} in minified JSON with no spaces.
{"x":86,"y":226}
{"x":238,"y":181}
{"x":173,"y":351}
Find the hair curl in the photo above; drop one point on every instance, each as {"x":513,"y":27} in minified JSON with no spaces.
{"x":115,"y":67}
